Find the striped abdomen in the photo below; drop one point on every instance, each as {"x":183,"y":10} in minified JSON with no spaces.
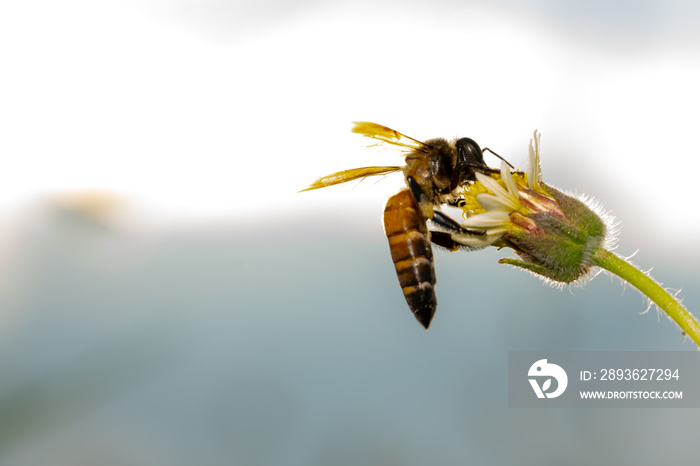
{"x":409,"y":243}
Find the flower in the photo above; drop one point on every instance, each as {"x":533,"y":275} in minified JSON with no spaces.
{"x":558,"y":237}
{"x":554,"y":234}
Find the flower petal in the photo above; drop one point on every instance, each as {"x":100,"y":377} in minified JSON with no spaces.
{"x":488,"y":220}
{"x":491,"y":184}
{"x":508,"y":180}
{"x":491,"y":202}
{"x":534,"y":172}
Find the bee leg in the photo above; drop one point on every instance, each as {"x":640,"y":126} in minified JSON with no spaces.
{"x":444,"y":238}
{"x":424,"y":203}
{"x":448,"y":223}
{"x":416,"y":190}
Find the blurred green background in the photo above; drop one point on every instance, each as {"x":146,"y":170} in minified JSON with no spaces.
{"x":168,"y":298}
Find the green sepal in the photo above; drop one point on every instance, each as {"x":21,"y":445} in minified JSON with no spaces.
{"x":563,"y":275}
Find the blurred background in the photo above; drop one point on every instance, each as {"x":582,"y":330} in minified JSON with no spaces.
{"x":167,"y":296}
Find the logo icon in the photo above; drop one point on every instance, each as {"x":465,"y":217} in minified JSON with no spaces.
{"x":547,"y":371}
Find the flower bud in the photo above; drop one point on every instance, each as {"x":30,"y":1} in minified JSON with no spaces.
{"x":558,"y":247}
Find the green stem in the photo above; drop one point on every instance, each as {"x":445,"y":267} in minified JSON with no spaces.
{"x":647,"y":286}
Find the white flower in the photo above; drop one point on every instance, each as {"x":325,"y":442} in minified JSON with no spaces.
{"x":553,"y":233}
{"x":499,"y":202}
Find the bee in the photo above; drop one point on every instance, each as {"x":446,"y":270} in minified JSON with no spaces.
{"x":434,"y":171}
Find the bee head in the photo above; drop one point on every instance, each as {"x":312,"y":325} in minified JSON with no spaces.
{"x":470,"y":159}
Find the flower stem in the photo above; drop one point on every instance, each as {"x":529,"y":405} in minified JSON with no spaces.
{"x":647,"y":286}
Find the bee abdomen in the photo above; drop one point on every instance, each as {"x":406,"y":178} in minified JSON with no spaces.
{"x":412,"y":255}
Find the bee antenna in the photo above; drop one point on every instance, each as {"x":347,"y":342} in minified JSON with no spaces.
{"x":487,"y":149}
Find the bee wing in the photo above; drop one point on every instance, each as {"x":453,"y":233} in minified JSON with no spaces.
{"x":387,"y":135}
{"x":380,"y":133}
{"x":349,"y":175}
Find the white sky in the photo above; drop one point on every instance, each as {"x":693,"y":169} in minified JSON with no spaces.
{"x":218,"y":109}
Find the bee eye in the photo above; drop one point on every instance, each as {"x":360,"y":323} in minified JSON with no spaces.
{"x":469,"y":153}
{"x":470,"y":159}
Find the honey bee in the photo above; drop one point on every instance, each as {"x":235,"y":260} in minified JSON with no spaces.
{"x":434,"y":171}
